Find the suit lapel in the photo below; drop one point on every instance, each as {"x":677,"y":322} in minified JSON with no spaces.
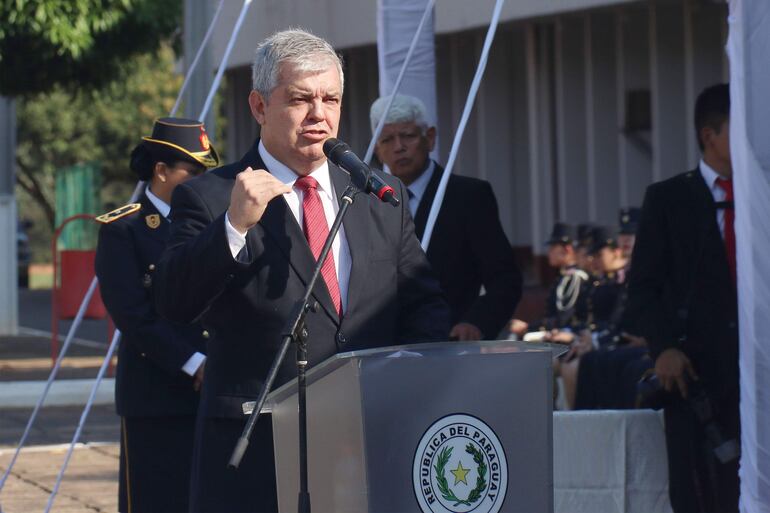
{"x":282,"y":227}
{"x":357,"y":226}
{"x":423,"y":209}
{"x":704,"y":208}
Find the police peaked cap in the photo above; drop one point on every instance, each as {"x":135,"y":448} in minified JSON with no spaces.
{"x":562,"y":233}
{"x":629,"y":220}
{"x":187,"y":137}
{"x":585,"y":235}
{"x":602,"y":237}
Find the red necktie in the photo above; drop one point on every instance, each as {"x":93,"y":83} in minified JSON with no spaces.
{"x":729,"y":233}
{"x":316,"y":230}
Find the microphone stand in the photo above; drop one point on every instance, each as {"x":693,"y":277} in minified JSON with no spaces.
{"x":296,"y":331}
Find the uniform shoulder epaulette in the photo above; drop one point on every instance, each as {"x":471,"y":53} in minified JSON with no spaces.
{"x":116,"y":214}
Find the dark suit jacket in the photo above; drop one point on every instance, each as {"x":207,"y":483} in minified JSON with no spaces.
{"x":392,"y":297}
{"x":469,"y":249}
{"x":679,"y":284}
{"x":152,"y":351}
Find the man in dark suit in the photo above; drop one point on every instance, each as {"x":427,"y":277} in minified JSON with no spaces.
{"x":160,"y":363}
{"x":682,"y":290}
{"x":244,"y":242}
{"x":468,"y":248}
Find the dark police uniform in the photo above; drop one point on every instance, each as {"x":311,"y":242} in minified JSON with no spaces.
{"x":600,"y":373}
{"x":565,"y":306}
{"x":153,"y":395}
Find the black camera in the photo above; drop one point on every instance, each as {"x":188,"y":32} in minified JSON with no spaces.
{"x":651,"y":394}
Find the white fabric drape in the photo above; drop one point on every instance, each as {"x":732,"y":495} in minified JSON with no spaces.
{"x":397,"y":21}
{"x":609,"y":461}
{"x":749,"y":51}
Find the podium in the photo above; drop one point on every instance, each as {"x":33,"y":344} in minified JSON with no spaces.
{"x":431,"y":427}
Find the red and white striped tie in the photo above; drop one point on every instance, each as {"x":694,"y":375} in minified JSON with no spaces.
{"x":316,"y":230}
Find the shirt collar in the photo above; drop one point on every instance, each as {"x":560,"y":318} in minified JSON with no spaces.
{"x":163,"y":208}
{"x":285,"y":174}
{"x":709,"y":175}
{"x":418,"y":187}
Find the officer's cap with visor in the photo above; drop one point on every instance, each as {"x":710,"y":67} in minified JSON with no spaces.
{"x":562,"y":233}
{"x":629,"y":220}
{"x":602,"y":237}
{"x":173,"y":140}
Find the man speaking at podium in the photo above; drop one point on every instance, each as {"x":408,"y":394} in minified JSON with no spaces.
{"x":244,"y":243}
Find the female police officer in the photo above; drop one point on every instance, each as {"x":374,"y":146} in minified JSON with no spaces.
{"x":160,"y":364}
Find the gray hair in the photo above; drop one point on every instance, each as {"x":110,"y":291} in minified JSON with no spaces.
{"x":307,"y":52}
{"x":405,"y":109}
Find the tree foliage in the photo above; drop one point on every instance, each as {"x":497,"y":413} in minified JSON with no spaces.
{"x":78,"y":43}
{"x":62,"y":128}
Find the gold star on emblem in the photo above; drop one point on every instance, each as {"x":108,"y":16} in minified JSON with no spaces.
{"x":460,"y":473}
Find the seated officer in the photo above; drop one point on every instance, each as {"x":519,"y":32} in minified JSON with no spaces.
{"x":607,"y":378}
{"x":160,"y":364}
{"x":565,"y":304}
{"x":583,"y":242}
{"x":606,"y":299}
{"x":629,"y":221}
{"x":604,"y":303}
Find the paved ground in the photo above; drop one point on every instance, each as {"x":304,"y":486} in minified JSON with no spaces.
{"x":29,"y":358}
{"x":35,"y":313}
{"x":90,"y":482}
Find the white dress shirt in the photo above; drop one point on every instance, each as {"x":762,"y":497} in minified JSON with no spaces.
{"x":196,"y":360}
{"x":719,"y":194}
{"x":340,"y":248}
{"x":417,"y":188}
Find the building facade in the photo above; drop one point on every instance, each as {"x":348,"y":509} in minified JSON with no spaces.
{"x":583,"y":103}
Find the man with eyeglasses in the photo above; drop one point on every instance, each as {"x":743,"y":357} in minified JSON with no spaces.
{"x":468,"y":248}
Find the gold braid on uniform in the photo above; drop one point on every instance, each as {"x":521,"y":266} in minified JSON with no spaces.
{"x":569,"y":287}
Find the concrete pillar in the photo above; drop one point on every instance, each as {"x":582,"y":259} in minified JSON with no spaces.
{"x":520,"y":199}
{"x":9,"y":294}
{"x":539,"y":114}
{"x":668,"y":81}
{"x":197,"y":17}
{"x":633,"y":77}
{"x":361,"y":89}
{"x":706,"y":25}
{"x":601,"y":118}
{"x":571,"y":118}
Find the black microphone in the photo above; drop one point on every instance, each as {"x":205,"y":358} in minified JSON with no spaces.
{"x":362,"y":177}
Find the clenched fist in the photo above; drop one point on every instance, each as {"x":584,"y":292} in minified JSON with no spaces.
{"x":252,"y":192}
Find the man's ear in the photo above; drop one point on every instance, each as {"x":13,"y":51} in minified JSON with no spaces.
{"x":430,"y":134}
{"x":257,"y":105}
{"x":707,"y":134}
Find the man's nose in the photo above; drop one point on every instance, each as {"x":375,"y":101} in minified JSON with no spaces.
{"x":316,"y":110}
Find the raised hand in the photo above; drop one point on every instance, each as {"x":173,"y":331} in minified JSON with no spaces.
{"x":253,"y":190}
